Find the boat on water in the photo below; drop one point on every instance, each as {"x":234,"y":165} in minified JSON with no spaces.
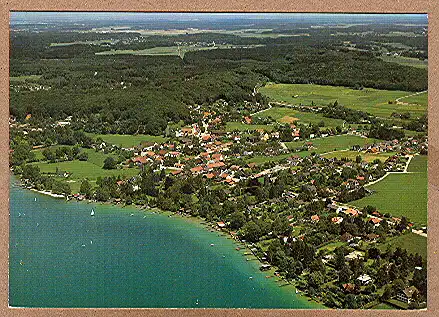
{"x":92,"y":213}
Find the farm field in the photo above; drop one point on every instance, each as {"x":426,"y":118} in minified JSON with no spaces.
{"x":402,"y":194}
{"x":406,"y":61}
{"x":332,"y":143}
{"x":414,"y":243}
{"x":172,"y":50}
{"x":370,"y":100}
{"x":368,"y":157}
{"x":127,"y":140}
{"x":282,"y":114}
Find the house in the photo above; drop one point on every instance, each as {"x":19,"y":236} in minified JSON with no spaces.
{"x":349,"y":288}
{"x":196,"y":169}
{"x":364,"y":279}
{"x":346,"y":237}
{"x":337,"y":220}
{"x":140,"y":159}
{"x":221,"y":224}
{"x":372,"y":236}
{"x":247,"y":120}
{"x":315,"y":218}
{"x":375,"y":221}
{"x":176,"y":172}
{"x":407,"y":295}
{"x":354,"y":255}
{"x":352,"y":212}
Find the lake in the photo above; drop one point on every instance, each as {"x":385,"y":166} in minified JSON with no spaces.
{"x":60,"y":256}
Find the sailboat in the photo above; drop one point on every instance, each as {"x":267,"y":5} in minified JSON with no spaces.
{"x":92,"y":213}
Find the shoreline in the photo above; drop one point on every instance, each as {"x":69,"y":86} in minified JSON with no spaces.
{"x":208,"y":226}
{"x":46,"y":193}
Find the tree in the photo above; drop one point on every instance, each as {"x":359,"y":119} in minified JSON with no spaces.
{"x":83,"y":156}
{"x":237,"y":220}
{"x":251,"y":231}
{"x":281,"y":226}
{"x":48,"y":154}
{"x":109,"y":163}
{"x":31,"y":173}
{"x":85,"y":188}
{"x":344,"y":274}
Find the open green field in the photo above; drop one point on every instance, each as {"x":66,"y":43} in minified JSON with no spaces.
{"x":22,"y":79}
{"x":81,"y":170}
{"x":418,"y":164}
{"x":383,"y":306}
{"x":231,"y":126}
{"x":406,"y":61}
{"x":263,"y":158}
{"x":419,"y":99}
{"x":127,"y":140}
{"x":95,"y":42}
{"x":352,"y":155}
{"x":283,"y":114}
{"x":401,"y":194}
{"x":414,"y":243}
{"x":370,"y":100}
{"x":332,"y":143}
{"x":172,"y":50}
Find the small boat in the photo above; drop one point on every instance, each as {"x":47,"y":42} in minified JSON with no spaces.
{"x":91,"y":242}
{"x":132,"y":215}
{"x":35,"y":199}
{"x":92,"y":213}
{"x":211,"y":244}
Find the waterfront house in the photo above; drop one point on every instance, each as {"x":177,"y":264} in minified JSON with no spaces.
{"x":407,"y":295}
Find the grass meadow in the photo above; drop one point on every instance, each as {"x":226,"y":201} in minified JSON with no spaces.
{"x":374,"y":101}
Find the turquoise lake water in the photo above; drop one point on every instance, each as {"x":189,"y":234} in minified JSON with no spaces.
{"x":60,"y":256}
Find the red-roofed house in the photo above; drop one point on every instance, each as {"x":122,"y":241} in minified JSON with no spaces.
{"x":315,"y":218}
{"x":196,"y":169}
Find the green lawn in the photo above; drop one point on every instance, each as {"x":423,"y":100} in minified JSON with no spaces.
{"x":231,"y":126}
{"x":414,"y":243}
{"x":352,"y":155}
{"x":172,"y":50}
{"x":332,"y":143}
{"x":383,"y":306}
{"x":280,"y":114}
{"x":331,"y":246}
{"x":127,"y":140}
{"x":371,"y":100}
{"x":81,"y":170}
{"x":263,"y":158}
{"x":95,"y":42}
{"x":418,"y":164}
{"x":403,"y":194}
{"x":419,"y":99}
{"x":24,"y":78}
{"x":406,"y":61}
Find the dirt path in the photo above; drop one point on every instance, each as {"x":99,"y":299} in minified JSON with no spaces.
{"x":415,"y":94}
{"x":260,"y":111}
